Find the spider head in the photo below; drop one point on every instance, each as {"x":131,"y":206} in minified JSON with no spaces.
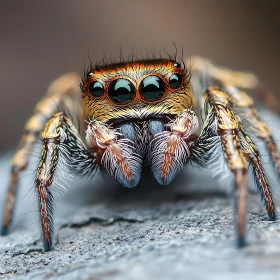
{"x":132,"y":104}
{"x":136,"y":91}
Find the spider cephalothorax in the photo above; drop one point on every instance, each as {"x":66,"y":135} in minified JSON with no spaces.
{"x":145,"y":113}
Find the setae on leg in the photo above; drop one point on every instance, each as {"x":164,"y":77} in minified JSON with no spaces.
{"x":60,"y":139}
{"x":223,"y":127}
{"x":63,"y":91}
{"x":252,"y":155}
{"x":244,"y":104}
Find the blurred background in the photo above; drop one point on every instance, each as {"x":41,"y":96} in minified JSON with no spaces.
{"x":40,"y":40}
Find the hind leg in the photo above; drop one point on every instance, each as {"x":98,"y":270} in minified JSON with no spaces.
{"x":249,"y":115}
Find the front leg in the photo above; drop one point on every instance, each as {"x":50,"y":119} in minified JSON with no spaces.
{"x":60,"y":139}
{"x":63,"y":92}
{"x":223,"y":127}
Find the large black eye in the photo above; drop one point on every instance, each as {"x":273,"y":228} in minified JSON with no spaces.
{"x":152,"y":88}
{"x":121,"y":91}
{"x":96,"y":89}
{"x":175,"y":80}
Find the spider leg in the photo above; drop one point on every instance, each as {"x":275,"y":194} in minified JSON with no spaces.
{"x":252,"y":154}
{"x":205,"y":67}
{"x":217,"y":75}
{"x":245,"y":105}
{"x":221,"y":128}
{"x":64,"y":89}
{"x":60,"y":139}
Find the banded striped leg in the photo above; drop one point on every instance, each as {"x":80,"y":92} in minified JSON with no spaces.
{"x":63,"y":89}
{"x":252,"y":154}
{"x":224,"y":76}
{"x":245,"y":105}
{"x":60,"y":141}
{"x":221,"y":127}
{"x":227,"y":130}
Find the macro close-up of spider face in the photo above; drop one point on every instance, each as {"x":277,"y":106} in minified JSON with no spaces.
{"x":127,"y":105}
{"x":157,"y":114}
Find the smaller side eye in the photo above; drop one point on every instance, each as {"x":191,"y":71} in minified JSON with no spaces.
{"x":175,"y":80}
{"x":96,"y":89}
{"x":177,"y":65}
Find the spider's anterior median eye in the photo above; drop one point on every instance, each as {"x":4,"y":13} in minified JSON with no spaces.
{"x":121,"y":91}
{"x":152,"y":88}
{"x":96,"y":89}
{"x":175,"y":80}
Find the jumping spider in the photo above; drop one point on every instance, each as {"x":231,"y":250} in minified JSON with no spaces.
{"x":146,"y":112}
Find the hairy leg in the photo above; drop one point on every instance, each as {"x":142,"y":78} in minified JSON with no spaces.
{"x":62,"y":92}
{"x":244,"y":104}
{"x":252,"y":154}
{"x":215,"y":75}
{"x":60,"y":140}
{"x":225,"y":75}
{"x":223,"y":127}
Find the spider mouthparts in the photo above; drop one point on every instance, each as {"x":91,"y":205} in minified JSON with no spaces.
{"x":128,"y":131}
{"x":156,"y":126}
{"x":135,"y":131}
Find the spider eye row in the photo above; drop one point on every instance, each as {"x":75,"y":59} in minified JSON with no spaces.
{"x":122,"y":91}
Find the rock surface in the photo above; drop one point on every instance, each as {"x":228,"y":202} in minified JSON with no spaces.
{"x":182,"y":231}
